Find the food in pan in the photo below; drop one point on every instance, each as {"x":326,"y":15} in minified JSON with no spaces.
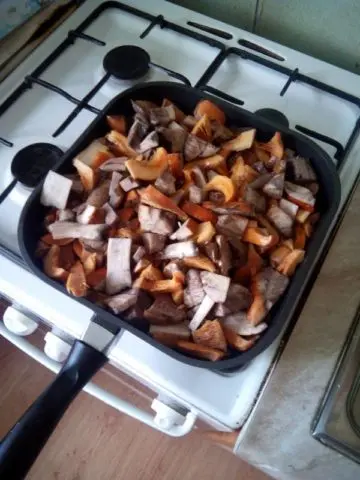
{"x":183,"y":220}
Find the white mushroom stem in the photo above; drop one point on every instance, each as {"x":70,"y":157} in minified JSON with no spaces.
{"x":118,"y":274}
{"x":205,"y":306}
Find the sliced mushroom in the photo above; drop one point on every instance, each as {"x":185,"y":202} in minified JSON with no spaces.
{"x":114,"y":165}
{"x":137,"y":133}
{"x":75,"y":230}
{"x":282,"y":221}
{"x":153,"y":242}
{"x":118,"y":275}
{"x":175,"y":134}
{"x":239,"y":323}
{"x":185,"y":231}
{"x":179,"y":250}
{"x":170,"y":334}
{"x":300,"y":195}
{"x":164,"y":311}
{"x":224,"y":262}
{"x":115,"y":191}
{"x":162,"y":115}
{"x":150,"y":142}
{"x":100,"y":195}
{"x":275,"y":186}
{"x":215,"y":286}
{"x":155,"y":220}
{"x":202,"y":312}
{"x":210,"y":334}
{"x":121,"y":302}
{"x":290,"y":208}
{"x":196,"y":194}
{"x":166,"y":183}
{"x":152,"y":197}
{"x":232,"y":225}
{"x":194,"y":293}
{"x":128,"y":184}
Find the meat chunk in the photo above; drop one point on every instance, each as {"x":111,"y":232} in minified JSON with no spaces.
{"x":75,"y":230}
{"x":180,"y":250}
{"x":224,"y":261}
{"x":232,"y":225}
{"x":196,"y":194}
{"x":215,"y":286}
{"x":153,"y":242}
{"x":166,"y":183}
{"x":121,"y":302}
{"x":301,"y":169}
{"x":118,"y":274}
{"x":56,"y":190}
{"x":164,"y":311}
{"x":239,"y":324}
{"x":282,"y":221}
{"x":100,"y":195}
{"x":115,"y":191}
{"x":274,"y":188}
{"x":194,"y":292}
{"x":156,"y":221}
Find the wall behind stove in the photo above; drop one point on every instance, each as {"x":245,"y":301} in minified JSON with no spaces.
{"x":327,"y":29}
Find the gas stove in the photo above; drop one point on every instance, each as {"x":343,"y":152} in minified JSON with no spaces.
{"x":98,"y":52}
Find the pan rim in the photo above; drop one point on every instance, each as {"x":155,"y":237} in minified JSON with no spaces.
{"x":311,"y":258}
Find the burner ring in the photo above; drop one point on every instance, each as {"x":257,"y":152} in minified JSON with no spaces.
{"x":127,"y":62}
{"x":30,"y":165}
{"x":273,"y":115}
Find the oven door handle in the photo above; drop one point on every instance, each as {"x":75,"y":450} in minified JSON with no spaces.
{"x":101,"y":394}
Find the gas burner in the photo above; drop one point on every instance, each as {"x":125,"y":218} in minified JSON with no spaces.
{"x":127,"y":62}
{"x":30,"y":165}
{"x":273,"y":115}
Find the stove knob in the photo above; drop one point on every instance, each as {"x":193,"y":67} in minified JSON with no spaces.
{"x":18,"y":323}
{"x":166,"y":416}
{"x":56,"y":348}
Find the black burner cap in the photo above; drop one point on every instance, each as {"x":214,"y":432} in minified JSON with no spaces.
{"x":127,"y":62}
{"x":32,"y":163}
{"x":273,"y":115}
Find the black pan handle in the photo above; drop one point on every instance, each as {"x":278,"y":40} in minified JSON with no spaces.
{"x":23,"y":443}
